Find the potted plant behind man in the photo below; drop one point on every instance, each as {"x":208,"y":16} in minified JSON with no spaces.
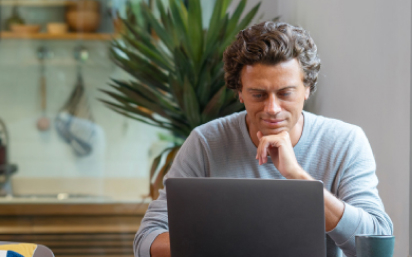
{"x":177,"y":69}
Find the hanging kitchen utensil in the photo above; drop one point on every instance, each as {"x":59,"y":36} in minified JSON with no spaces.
{"x":74,"y":122}
{"x":43,"y":123}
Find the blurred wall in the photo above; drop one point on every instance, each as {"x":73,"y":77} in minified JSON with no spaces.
{"x":365,"y":47}
{"x":121,"y":146}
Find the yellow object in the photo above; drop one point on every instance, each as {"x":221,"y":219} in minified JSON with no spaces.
{"x":27,"y":250}
{"x":56,"y":28}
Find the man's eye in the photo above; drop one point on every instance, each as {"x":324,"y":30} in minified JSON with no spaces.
{"x":258,"y":95}
{"x":285,"y":94}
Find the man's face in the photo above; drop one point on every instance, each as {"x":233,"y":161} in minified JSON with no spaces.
{"x":273,"y":96}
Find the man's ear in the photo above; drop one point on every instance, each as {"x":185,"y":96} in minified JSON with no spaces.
{"x":240,"y":96}
{"x":307,"y":92}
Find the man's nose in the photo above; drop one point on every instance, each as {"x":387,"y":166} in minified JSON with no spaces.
{"x":272,"y":105}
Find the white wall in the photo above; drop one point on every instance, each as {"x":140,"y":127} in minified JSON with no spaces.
{"x":365,"y":47}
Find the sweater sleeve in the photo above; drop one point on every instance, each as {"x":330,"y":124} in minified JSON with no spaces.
{"x":189,"y":162}
{"x":364,"y":212}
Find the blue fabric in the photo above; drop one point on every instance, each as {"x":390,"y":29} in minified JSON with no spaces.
{"x":13,"y":254}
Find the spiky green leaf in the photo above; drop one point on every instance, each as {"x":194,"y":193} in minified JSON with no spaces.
{"x":191,"y":104}
{"x":213,"y":107}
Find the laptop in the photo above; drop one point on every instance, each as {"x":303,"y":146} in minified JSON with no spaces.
{"x":221,"y":217}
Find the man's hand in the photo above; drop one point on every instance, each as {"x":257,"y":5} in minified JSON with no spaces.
{"x":280,"y":149}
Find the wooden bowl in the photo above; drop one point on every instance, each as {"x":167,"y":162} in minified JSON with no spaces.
{"x":25,"y":28}
{"x":83,"y":21}
{"x":83,"y":5}
{"x":57,"y":28}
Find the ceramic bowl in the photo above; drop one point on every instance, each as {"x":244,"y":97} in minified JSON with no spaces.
{"x":57,"y":28}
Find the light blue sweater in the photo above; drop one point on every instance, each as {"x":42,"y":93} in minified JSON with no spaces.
{"x":330,"y":150}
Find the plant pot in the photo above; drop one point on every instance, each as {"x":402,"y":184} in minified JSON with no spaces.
{"x":14,"y":19}
{"x":83,"y":21}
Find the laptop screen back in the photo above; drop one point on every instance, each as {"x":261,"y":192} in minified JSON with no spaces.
{"x":220,"y":217}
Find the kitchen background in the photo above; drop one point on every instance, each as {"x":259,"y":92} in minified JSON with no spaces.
{"x":118,"y":164}
{"x":365,"y":48}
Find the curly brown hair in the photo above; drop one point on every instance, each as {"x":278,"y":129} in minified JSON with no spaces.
{"x":271,"y":43}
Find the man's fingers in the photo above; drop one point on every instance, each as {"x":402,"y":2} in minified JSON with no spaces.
{"x":262,"y":151}
{"x":264,"y":147}
{"x":259,"y":135}
{"x":259,"y":151}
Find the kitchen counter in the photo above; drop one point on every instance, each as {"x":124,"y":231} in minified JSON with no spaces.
{"x":77,"y":190}
{"x":74,"y":229}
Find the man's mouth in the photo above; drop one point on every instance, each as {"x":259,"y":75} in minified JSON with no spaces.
{"x":272,"y":122}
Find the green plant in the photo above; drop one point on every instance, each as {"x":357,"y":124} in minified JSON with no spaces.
{"x":177,"y":69}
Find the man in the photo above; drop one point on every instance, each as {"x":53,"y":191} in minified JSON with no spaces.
{"x":274,"y":69}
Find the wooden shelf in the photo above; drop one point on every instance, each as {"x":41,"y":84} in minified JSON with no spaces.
{"x":39,"y":3}
{"x":66,"y":36}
